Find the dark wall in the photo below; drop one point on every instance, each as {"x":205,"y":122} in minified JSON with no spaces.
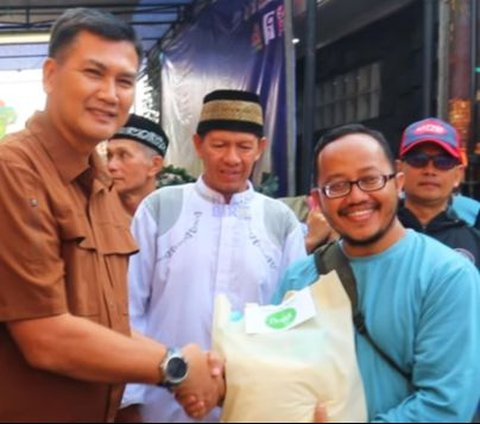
{"x":395,"y":41}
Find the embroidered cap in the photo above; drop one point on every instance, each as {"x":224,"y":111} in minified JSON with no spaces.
{"x":431,"y":130}
{"x":231,"y":110}
{"x":144,"y":131}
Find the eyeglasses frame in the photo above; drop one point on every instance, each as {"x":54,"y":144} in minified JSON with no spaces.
{"x":386,"y":178}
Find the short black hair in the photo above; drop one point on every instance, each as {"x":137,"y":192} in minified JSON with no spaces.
{"x":101,"y":23}
{"x":345,"y":130}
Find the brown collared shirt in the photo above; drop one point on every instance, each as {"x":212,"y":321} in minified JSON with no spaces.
{"x":64,"y":247}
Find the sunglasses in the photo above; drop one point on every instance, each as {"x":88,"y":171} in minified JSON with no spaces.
{"x":441,"y":162}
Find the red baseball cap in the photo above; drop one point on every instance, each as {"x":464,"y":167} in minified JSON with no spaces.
{"x":431,"y":130}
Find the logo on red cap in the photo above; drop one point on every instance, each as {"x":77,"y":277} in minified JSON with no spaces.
{"x":430,"y":128}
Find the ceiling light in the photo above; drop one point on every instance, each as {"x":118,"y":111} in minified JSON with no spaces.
{"x":24,"y":37}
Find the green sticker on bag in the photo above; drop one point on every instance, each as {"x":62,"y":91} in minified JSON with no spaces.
{"x":281,"y":319}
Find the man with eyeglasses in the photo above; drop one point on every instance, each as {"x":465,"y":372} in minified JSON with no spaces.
{"x":430,"y":158}
{"x":420,"y":299}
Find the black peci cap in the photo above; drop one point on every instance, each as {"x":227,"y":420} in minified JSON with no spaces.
{"x":144,"y":131}
{"x":231,"y":110}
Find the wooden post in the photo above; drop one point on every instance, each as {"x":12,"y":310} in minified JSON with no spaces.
{"x":459,"y":104}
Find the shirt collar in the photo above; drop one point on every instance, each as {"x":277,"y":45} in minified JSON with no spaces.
{"x":215,"y":197}
{"x":68,"y":161}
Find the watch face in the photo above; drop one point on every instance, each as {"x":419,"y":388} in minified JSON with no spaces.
{"x":176,"y":368}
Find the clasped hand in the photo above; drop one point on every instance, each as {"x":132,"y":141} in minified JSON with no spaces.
{"x":204,"y":387}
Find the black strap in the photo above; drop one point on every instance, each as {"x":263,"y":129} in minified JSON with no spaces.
{"x":331,"y":257}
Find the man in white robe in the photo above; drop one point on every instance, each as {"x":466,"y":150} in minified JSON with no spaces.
{"x":214,"y":236}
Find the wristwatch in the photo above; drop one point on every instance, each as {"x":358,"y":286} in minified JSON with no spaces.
{"x":174,"y":368}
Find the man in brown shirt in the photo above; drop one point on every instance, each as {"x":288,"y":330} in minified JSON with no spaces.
{"x":65,"y":344}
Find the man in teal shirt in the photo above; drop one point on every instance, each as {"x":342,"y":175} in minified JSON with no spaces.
{"x":420,"y":299}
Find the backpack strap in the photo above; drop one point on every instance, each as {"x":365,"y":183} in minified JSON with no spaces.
{"x":331,"y":257}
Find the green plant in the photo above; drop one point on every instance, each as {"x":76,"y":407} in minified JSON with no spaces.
{"x":173,"y":175}
{"x":268,"y":185}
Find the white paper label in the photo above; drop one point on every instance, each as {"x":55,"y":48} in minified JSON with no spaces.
{"x":273,"y":318}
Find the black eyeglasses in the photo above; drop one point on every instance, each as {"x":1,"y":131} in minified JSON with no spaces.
{"x":421,"y":160}
{"x":367,"y":184}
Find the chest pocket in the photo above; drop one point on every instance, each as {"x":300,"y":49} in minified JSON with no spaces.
{"x":95,"y":250}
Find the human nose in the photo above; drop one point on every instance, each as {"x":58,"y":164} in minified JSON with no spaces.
{"x":232,"y":155}
{"x":112,"y":164}
{"x":108,"y":90}
{"x":429,"y":166}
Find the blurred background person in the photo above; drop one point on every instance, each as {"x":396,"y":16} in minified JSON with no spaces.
{"x":135,"y":155}
{"x":316,"y":228}
{"x":467,"y":208}
{"x":430,"y":157}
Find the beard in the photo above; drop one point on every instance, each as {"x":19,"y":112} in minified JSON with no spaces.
{"x":373,"y":238}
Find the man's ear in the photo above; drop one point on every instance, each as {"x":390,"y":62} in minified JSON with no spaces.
{"x":400,"y":177}
{"x":317,"y":199}
{"x":156,"y":166}
{"x":198,"y":143}
{"x":314,"y":199}
{"x":400,"y":182}
{"x":459,"y":176}
{"x":399,"y":165}
{"x":49,"y":67}
{"x":463,"y":169}
{"x":262,"y":145}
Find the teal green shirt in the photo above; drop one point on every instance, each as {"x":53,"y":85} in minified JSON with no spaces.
{"x":421,"y":302}
{"x":466,"y":208}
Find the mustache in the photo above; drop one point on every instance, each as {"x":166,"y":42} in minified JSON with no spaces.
{"x":360,"y":205}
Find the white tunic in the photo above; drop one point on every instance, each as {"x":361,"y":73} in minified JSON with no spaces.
{"x":193,"y":246}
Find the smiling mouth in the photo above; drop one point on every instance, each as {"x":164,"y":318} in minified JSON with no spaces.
{"x":103,"y":115}
{"x":359,"y":216}
{"x":359,"y":213}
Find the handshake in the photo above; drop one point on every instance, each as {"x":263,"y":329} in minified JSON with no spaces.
{"x":204,"y":385}
{"x":204,"y":388}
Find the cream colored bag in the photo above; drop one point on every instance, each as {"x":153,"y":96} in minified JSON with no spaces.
{"x":279,"y":375}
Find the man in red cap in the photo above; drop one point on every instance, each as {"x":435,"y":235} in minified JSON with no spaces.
{"x":431,"y":159}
